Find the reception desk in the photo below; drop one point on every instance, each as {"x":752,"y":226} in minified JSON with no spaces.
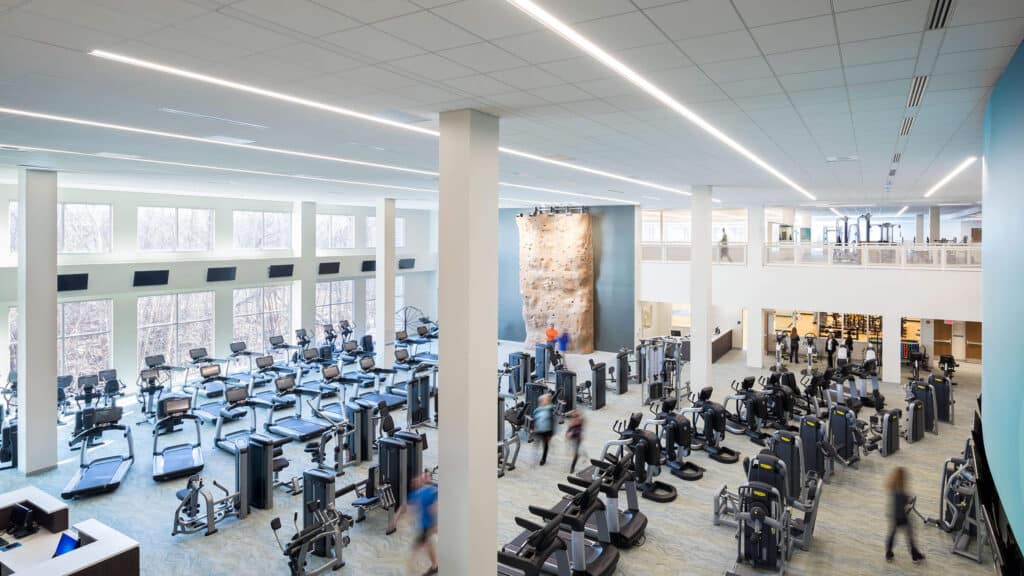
{"x":720,"y":345}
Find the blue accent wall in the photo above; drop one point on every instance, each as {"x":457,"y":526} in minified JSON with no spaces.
{"x":1003,"y":288}
{"x":614,"y":237}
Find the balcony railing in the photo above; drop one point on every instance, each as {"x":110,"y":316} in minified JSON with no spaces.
{"x":924,"y":256}
{"x":733,"y":254}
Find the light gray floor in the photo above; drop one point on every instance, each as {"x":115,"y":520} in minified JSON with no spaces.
{"x":851,"y":527}
{"x":680,"y":537}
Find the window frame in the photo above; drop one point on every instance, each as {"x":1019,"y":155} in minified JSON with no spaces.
{"x":350,"y":238}
{"x":175,"y":324}
{"x":261,"y":247}
{"x":262,"y":313}
{"x":210,"y":237}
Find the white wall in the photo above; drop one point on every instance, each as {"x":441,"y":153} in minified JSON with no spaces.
{"x":110,"y":275}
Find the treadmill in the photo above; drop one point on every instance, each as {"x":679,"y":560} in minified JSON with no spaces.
{"x":214,"y":386}
{"x":378,"y":393}
{"x":239,"y":350}
{"x":404,"y":362}
{"x":277,"y":344}
{"x":236,"y":399}
{"x":424,"y":332}
{"x":178,"y":460}
{"x":337,"y":384}
{"x":266,"y":371}
{"x":102,"y":474}
{"x":294,"y":427}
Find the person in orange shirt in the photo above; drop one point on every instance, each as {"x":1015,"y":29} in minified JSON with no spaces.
{"x":551,"y":334}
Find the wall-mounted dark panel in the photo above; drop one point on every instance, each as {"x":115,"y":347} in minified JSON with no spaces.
{"x":280,"y":270}
{"x":71,"y":282}
{"x":329,"y":268}
{"x":225,"y":274}
{"x":151,"y":278}
{"x":406,"y":263}
{"x":369,"y":266}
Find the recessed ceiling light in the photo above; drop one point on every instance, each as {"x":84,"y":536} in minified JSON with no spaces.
{"x":945,"y":180}
{"x":902,"y":210}
{"x":229,"y":139}
{"x":567,"y":32}
{"x":132,"y":158}
{"x":849,"y":158}
{"x":379,"y":119}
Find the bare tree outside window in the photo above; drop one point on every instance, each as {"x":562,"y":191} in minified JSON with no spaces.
{"x":371,"y":232}
{"x":335,"y":232}
{"x":334,"y":303}
{"x":173,"y":324}
{"x":262,"y":230}
{"x":260,"y":313}
{"x":174,"y":229}
{"x":81,"y":228}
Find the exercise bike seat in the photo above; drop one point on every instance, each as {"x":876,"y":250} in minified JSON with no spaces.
{"x":182,"y":494}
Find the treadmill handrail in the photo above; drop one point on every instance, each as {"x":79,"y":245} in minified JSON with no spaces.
{"x":199,"y":431}
{"x":82,"y":464}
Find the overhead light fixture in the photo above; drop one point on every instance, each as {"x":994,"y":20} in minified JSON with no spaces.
{"x":177,"y":112}
{"x":577,"y":194}
{"x":963,"y":166}
{"x":323,"y":106}
{"x":567,"y":32}
{"x":716,"y":200}
{"x":836,"y":212}
{"x":902,"y":210}
{"x":133,"y":158}
{"x":177,"y":136}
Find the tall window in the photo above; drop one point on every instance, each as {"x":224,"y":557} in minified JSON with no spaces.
{"x":84,"y":337}
{"x":12,"y":341}
{"x":399,"y":293}
{"x":334,"y":303}
{"x":650,"y":226}
{"x":81,"y":228}
{"x":260,"y":313}
{"x":371,"y":306}
{"x":174,"y":229}
{"x":675,"y":226}
{"x":173,"y":324}
{"x":335,"y":231}
{"x":371,"y":232}
{"x":262,"y":230}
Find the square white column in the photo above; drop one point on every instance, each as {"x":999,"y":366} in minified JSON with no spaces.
{"x":919,"y":229}
{"x":891,"y":341}
{"x":755,"y":260}
{"x":304,"y":285}
{"x":384,"y":331}
{"x":37,"y":320}
{"x":700,"y":287}
{"x":934,"y":224}
{"x":468,"y":315}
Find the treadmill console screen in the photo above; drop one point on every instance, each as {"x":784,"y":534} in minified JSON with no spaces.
{"x":331,"y":371}
{"x":285,"y":383}
{"x":237,"y":347}
{"x":422,"y":330}
{"x":402,"y":355}
{"x":300,"y":333}
{"x":154,"y":361}
{"x":88,"y":381}
{"x":235,"y":394}
{"x":351,"y":346}
{"x":366,"y":363}
{"x":211,"y":371}
{"x":326,"y":353}
{"x":147,"y":375}
{"x":401,"y":335}
{"x":264,"y":362}
{"x":310,"y":355}
{"x":276,"y":340}
{"x":343,"y":324}
{"x":197,"y":353}
{"x":108,"y":375}
{"x":174,"y":405}
{"x":111,"y":415}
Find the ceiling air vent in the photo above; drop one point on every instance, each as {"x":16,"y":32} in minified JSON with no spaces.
{"x":892,"y":172}
{"x":917,"y":91}
{"x":908,"y":125}
{"x":939,"y":16}
{"x":896,"y":157}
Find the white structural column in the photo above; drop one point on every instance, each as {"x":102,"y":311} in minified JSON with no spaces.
{"x":700,"y":287}
{"x":384,"y":331}
{"x":304,"y":286}
{"x":468,"y":313}
{"x":934,"y":224}
{"x":755,"y":260}
{"x":37,"y":320}
{"x":919,"y":229}
{"x":891,"y":324}
{"x":638,"y":312}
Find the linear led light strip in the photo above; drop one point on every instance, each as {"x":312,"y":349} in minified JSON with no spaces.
{"x":902,"y":210}
{"x":309,"y":103}
{"x":128,"y":158}
{"x":567,"y":32}
{"x":963,"y":166}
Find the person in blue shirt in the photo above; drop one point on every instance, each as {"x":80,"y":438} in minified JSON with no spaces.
{"x":423,"y":500}
{"x":563,"y":342}
{"x":544,"y":423}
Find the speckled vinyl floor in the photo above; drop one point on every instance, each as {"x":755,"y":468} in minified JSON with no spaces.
{"x":680,"y":536}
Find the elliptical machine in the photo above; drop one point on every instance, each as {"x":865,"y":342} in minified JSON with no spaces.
{"x":708,"y":420}
{"x":646,"y":465}
{"x":675,"y":433}
{"x":748,"y":411}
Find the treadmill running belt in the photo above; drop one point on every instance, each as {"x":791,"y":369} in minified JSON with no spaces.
{"x":178,"y":458}
{"x":99,"y":474}
{"x":393,"y":401}
{"x":300,"y":426}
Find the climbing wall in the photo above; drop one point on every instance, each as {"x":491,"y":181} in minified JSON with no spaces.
{"x":556,"y":277}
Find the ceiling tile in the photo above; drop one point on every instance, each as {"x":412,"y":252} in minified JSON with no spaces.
{"x":834,"y":94}
{"x":563,"y":93}
{"x":728,"y":46}
{"x":886,"y":20}
{"x":433,"y":67}
{"x":680,"y":78}
{"x":488,"y":19}
{"x":735,"y":70}
{"x":479,"y":85}
{"x":373,"y":43}
{"x":580,"y":69}
{"x":539,"y":47}
{"x":302,"y":16}
{"x":770,"y":102}
{"x":795,"y":35}
{"x":849,"y":5}
{"x":975,"y":11}
{"x":973,"y":60}
{"x":517,"y":99}
{"x":608,"y":87}
{"x":760,"y":12}
{"x":576,"y":11}
{"x":986,"y":35}
{"x":621,"y":32}
{"x":811,"y":80}
{"x":695,"y":18}
{"x":748,"y":88}
{"x":115,"y":22}
{"x":589,"y":108}
{"x":529,"y":77}
{"x":228,"y":30}
{"x":427,"y":31}
{"x":972,"y":79}
{"x":809,"y":60}
{"x":880,"y":72}
{"x":872,"y":90}
{"x":653,"y":57}
{"x":370,"y":11}
{"x":881,"y":49}
{"x":309,"y":57}
{"x":377,"y":77}
{"x":483,"y":57}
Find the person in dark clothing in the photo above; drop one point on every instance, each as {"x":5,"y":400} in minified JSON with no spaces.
{"x":574,"y":433}
{"x":899,"y":502}
{"x":830,"y":346}
{"x":849,"y":346}
{"x":794,"y":346}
